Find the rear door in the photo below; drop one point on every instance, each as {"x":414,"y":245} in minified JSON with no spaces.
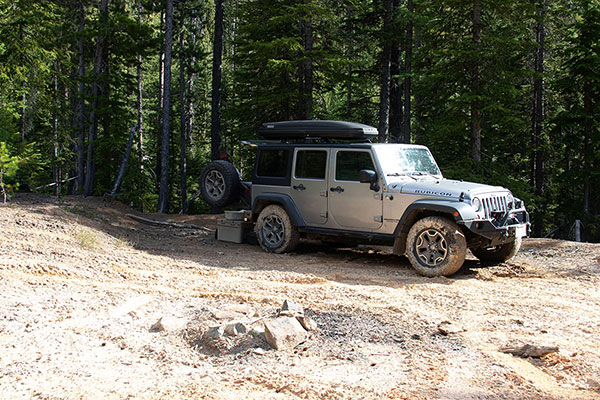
{"x":353,"y":205}
{"x":309,"y":184}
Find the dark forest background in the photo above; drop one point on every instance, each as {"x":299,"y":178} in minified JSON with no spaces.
{"x":503,"y":92}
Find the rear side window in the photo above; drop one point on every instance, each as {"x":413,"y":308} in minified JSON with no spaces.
{"x":311,"y":164}
{"x":273,"y":163}
{"x":349,"y":163}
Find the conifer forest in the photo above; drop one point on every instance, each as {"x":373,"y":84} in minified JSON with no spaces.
{"x":132,"y":98}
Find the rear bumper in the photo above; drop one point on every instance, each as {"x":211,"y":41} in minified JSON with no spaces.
{"x":503,"y":229}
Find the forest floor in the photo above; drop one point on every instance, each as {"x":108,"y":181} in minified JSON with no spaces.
{"x":82,"y":283}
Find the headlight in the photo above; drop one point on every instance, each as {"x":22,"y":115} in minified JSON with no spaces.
{"x":476,"y":203}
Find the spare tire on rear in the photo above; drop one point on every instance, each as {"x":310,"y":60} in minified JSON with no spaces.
{"x":220,"y":183}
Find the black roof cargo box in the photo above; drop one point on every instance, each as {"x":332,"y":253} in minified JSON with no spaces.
{"x":317,"y":129}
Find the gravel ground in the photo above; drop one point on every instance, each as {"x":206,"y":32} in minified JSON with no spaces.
{"x":82,"y":284}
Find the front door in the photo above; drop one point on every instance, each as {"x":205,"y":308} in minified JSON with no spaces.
{"x":309,"y":184}
{"x":353,"y":205}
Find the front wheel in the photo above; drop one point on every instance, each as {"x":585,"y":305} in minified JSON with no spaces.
{"x":435,"y":246}
{"x":275,"y":231}
{"x":498,"y":253}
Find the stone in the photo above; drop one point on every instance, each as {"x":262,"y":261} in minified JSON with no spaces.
{"x":291,"y":309}
{"x":307,"y":323}
{"x":225,"y":314}
{"x":214,"y":332}
{"x":258,"y":332}
{"x":241,"y":309}
{"x":168,"y":323}
{"x":259,"y":351}
{"x":447,"y":328}
{"x":284,"y":333}
{"x":530,"y":350}
{"x":235,"y":329}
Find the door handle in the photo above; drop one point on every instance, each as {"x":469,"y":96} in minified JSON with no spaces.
{"x":300,"y":187}
{"x":337,"y":189}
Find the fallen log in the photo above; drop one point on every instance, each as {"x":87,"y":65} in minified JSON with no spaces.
{"x":163,"y":223}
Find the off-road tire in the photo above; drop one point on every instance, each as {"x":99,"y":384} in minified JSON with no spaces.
{"x":275,"y":231}
{"x":435,"y":246}
{"x":498,"y":253}
{"x":220,"y":183}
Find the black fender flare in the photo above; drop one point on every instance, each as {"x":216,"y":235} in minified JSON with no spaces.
{"x":283,"y":200}
{"x":456,"y":210}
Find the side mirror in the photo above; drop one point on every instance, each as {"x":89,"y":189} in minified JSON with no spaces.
{"x":369,"y":176}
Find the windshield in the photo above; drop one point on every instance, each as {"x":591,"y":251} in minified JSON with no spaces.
{"x":406,"y":161}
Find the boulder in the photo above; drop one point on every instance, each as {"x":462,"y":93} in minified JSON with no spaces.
{"x":284,"y":333}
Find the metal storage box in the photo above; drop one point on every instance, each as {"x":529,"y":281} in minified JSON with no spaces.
{"x":232,"y":231}
{"x":241,"y":215}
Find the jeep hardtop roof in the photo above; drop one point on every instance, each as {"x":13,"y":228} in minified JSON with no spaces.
{"x":317,"y":129}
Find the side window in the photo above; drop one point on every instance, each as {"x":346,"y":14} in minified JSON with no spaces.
{"x":310,"y":164}
{"x":273,"y":163}
{"x":349,"y":163}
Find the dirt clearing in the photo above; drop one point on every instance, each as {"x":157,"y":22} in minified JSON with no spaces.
{"x":82,"y":284}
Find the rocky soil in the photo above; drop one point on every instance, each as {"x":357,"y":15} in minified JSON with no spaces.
{"x":83,"y":286}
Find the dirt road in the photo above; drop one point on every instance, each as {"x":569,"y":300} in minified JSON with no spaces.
{"x":82,"y":284}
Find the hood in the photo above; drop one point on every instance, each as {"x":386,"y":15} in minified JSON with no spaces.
{"x":443,"y":188}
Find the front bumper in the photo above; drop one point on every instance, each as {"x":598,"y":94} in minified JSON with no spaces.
{"x":504,"y":228}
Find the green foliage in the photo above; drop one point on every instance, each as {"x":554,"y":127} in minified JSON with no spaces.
{"x":576,"y":124}
{"x":8,"y":168}
{"x":264,"y":59}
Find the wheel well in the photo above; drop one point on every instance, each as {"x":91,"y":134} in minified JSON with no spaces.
{"x":260,"y":205}
{"x":414,"y":216}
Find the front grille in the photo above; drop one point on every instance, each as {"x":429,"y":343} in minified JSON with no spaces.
{"x":494,"y":203}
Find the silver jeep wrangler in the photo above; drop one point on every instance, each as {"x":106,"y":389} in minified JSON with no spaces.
{"x":310,"y":181}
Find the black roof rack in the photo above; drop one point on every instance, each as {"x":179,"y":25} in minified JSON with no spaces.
{"x":317,"y":129}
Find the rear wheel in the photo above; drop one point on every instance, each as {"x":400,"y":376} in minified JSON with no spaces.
{"x":435,"y":246}
{"x":220,"y":183}
{"x":498,"y":253}
{"x":275,"y":231}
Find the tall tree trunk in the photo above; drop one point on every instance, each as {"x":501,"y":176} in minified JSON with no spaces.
{"x":23,"y":97}
{"x":306,"y":94}
{"x":395,"y":85}
{"x":123,"y":168}
{"x":163,"y":192}
{"x":79,"y":113}
{"x":55,"y":165}
{"x":192,"y":78}
{"x":183,"y":124}
{"x":140,"y":117}
{"x":215,"y":121}
{"x":161,"y":86}
{"x":476,"y":85}
{"x":538,"y":117}
{"x":99,"y":63}
{"x":588,"y":151}
{"x":384,"y":100}
{"x":420,"y":135}
{"x":407,"y":85}
{"x":111,"y":153}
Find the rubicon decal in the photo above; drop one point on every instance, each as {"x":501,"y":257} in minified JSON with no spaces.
{"x":433,"y":193}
